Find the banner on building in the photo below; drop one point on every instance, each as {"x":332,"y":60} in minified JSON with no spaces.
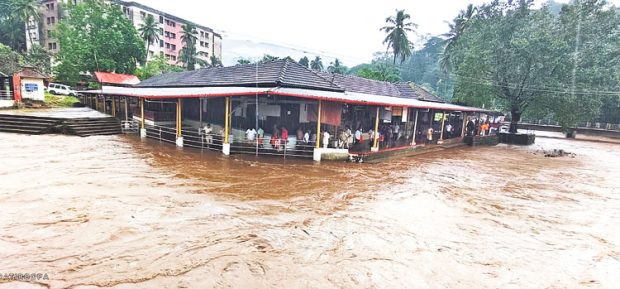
{"x":331,"y":113}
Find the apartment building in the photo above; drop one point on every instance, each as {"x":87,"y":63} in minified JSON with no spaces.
{"x":208,"y":42}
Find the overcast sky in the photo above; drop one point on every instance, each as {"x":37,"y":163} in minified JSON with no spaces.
{"x":346,"y":29}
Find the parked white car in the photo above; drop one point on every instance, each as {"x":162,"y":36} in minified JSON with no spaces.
{"x":55,"y":88}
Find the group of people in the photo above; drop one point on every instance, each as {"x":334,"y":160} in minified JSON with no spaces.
{"x":478,"y":127}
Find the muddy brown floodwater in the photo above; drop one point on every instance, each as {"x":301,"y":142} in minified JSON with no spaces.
{"x":117,"y":212}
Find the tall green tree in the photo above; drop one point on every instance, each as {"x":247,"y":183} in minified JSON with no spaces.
{"x":215,"y":61}
{"x":424,"y":67}
{"x":305,"y":61}
{"x":149,"y":32}
{"x":242,"y":61}
{"x":337,"y":67}
{"x":158,"y":65}
{"x":188,"y":52}
{"x":96,"y":36}
{"x":39,"y":58}
{"x":529,"y":60}
{"x":10,"y":61}
{"x":25,"y":11}
{"x":316,"y":64}
{"x":269,"y":58}
{"x":12,"y":30}
{"x":397,"y":39}
{"x":457,"y":28}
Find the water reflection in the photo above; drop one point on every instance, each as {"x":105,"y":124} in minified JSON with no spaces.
{"x":118,"y":212}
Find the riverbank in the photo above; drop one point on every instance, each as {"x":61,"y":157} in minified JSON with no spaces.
{"x":118,"y":212}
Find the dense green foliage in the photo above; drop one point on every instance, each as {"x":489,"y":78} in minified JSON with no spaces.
{"x":12,"y":23}
{"x":512,"y":56}
{"x":39,"y":58}
{"x":97,"y":37}
{"x":156,"y":66}
{"x":10,"y":61}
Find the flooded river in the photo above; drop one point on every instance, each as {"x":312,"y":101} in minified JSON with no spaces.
{"x":118,"y":212}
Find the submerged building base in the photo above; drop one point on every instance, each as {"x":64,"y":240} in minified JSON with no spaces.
{"x":481,"y":140}
{"x":330,"y":154}
{"x":516,"y":138}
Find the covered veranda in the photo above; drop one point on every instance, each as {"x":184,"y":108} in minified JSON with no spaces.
{"x":287,"y":122}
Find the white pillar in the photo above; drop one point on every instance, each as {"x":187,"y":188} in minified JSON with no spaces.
{"x":316,"y":155}
{"x":226,"y":149}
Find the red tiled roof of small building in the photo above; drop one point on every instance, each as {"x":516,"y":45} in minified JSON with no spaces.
{"x":116,"y":78}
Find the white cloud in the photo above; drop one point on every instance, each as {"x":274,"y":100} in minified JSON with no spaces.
{"x":347,"y":29}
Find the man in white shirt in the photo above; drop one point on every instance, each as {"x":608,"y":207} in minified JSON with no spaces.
{"x":208,"y":134}
{"x":325,"y":139}
{"x":250,"y":134}
{"x":449,"y":130}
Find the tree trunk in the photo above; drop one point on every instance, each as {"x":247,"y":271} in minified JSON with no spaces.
{"x":515,"y":114}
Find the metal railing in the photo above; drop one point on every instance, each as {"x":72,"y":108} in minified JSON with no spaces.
{"x":130,"y":126}
{"x":592,"y":125}
{"x":6,"y":95}
{"x":196,"y":138}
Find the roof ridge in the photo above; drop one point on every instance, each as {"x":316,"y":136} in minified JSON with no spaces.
{"x":282,"y":71}
{"x":318,"y":73}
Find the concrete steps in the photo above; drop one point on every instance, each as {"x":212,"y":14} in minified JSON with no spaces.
{"x":27,"y":124}
{"x":93,"y":126}
{"x":40,"y":125}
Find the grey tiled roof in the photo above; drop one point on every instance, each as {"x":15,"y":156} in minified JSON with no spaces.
{"x":412,"y":90}
{"x":362,"y":85}
{"x":283,"y":73}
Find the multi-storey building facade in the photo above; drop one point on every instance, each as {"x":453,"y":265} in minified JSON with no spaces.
{"x":208,"y":42}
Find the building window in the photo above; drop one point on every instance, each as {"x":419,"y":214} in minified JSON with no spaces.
{"x":50,"y":6}
{"x":52,"y":46}
{"x":142,"y":14}
{"x":161,"y":43}
{"x":173,"y":47}
{"x":206,"y":35}
{"x":161,"y":19}
{"x":167,"y":45}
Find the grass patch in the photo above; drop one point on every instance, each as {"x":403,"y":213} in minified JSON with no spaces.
{"x":60,"y":100}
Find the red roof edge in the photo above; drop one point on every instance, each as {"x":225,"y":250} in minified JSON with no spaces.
{"x":116,"y":78}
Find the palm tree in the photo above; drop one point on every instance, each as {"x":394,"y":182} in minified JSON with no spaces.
{"x":396,"y":38}
{"x":336,"y":67}
{"x":305,"y":61}
{"x":149,"y":32}
{"x":215,"y":62}
{"x":316,"y":64}
{"x":188,"y":53}
{"x":242,"y":61}
{"x":25,"y":10}
{"x":457,"y":28}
